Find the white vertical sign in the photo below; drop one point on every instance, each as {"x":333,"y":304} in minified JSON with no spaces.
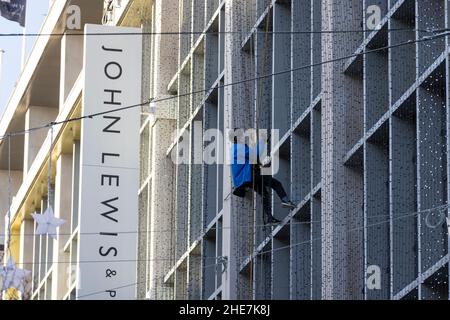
{"x":109,"y":169}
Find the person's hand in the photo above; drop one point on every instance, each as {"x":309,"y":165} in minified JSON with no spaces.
{"x":266,"y":162}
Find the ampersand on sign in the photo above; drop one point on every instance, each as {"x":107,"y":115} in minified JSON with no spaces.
{"x":110,"y":273}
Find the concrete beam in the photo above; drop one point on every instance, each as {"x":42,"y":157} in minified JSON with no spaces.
{"x":36,"y":116}
{"x":71,"y":63}
{"x":16,"y":178}
{"x":63,"y":204}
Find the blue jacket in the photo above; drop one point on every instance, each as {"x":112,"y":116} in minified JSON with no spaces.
{"x":241,"y":166}
{"x":241,"y":169}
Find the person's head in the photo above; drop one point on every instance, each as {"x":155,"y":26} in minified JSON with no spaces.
{"x":236,"y":136}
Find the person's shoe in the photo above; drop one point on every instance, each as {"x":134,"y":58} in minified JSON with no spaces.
{"x":288,"y":205}
{"x":272,"y":220}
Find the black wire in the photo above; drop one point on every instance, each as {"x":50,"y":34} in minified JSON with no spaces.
{"x":252,"y":255}
{"x":214,"y":32}
{"x":242,"y":81}
{"x":264,"y":253}
{"x":110,"y":289}
{"x":375,"y":224}
{"x":226,"y":85}
{"x":90,"y":116}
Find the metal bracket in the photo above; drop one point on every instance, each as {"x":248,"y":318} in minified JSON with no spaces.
{"x":448,"y":226}
{"x":224,"y":262}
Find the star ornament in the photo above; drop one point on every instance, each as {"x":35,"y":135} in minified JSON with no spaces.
{"x":13,"y":277}
{"x":47,"y":223}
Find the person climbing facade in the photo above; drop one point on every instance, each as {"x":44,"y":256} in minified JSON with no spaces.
{"x":246,"y":172}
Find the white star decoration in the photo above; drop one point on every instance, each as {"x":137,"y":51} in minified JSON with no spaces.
{"x":47,"y":223}
{"x":13,"y":277}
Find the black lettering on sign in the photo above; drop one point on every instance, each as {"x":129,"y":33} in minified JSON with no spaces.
{"x":111,"y":49}
{"x":108,"y":128}
{"x":112,"y":293}
{"x":104,"y":155}
{"x":105,"y":254}
{"x":110,"y":179}
{"x":113,"y":70}
{"x":112,"y":234}
{"x":112,"y":100}
{"x":113,"y":209}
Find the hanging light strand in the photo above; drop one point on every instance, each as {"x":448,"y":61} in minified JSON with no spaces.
{"x":8,"y":241}
{"x":49,"y":175}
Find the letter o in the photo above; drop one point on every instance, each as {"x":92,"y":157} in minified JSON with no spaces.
{"x":107,"y":72}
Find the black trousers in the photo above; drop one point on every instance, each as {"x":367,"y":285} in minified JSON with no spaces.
{"x":260,"y":185}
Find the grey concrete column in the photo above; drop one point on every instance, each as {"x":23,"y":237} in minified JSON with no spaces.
{"x":62,"y":210}
{"x":340,"y":256}
{"x":161,"y":244}
{"x":166,"y":53}
{"x":238,"y":112}
{"x":26,"y":244}
{"x":160,"y":63}
{"x":16,"y":179}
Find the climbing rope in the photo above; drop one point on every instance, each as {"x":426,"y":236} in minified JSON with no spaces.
{"x":261,"y":88}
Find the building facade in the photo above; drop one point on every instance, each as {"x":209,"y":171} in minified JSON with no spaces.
{"x":357,"y":94}
{"x":50,"y":91}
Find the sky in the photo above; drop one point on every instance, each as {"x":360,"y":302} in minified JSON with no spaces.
{"x":36,"y":13}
